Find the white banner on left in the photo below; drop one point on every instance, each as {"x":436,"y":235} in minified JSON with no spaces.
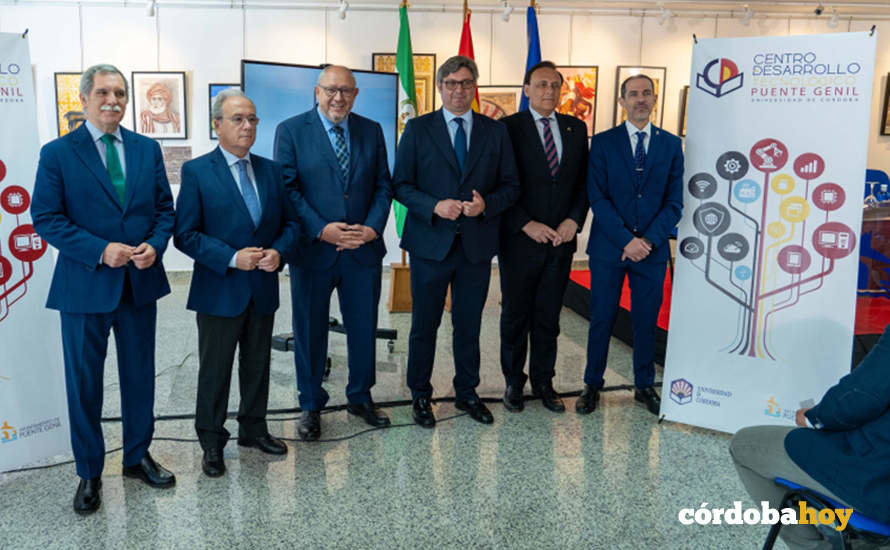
{"x":33,"y":405}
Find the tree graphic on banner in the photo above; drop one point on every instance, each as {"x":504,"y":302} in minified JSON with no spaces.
{"x":776,"y":254}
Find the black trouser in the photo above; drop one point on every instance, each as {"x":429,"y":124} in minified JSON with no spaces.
{"x":217,"y":339}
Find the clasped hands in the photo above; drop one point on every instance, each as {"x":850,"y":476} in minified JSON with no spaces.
{"x":118,"y":254}
{"x":451,"y":209}
{"x":636,"y":250}
{"x":542,"y":233}
{"x":254,"y":257}
{"x":347,"y":237}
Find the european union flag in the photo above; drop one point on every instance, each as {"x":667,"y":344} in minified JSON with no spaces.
{"x":534,"y":48}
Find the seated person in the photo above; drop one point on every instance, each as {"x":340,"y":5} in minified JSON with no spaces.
{"x":842,"y":449}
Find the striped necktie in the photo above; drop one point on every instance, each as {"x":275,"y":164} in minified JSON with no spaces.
{"x":550,"y":148}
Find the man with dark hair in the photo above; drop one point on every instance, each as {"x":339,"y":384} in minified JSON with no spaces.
{"x":456,"y":174}
{"x":635,"y":186}
{"x":538,"y":235}
{"x":233,"y":218}
{"x":102,"y":199}
{"x":338,"y":178}
{"x":840,"y":449}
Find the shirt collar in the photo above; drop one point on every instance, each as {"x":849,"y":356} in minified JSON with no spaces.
{"x":231,"y":158}
{"x":632,"y":130}
{"x":328,"y":124}
{"x":538,"y":116}
{"x":97,"y":134}
{"x":449,"y":116}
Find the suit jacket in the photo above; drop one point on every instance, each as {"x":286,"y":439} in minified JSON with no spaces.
{"x":213,"y":223}
{"x":319,"y":193}
{"x":76,"y":209}
{"x":544,"y":198}
{"x":850,"y":453}
{"x":621,"y":210}
{"x":427,"y":171}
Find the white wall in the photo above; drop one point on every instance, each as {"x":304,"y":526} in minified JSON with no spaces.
{"x":208,"y":43}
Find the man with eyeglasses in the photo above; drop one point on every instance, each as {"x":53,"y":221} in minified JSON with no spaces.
{"x":338,"y":179}
{"x":456,"y":174}
{"x":538,"y":235}
{"x":233,"y":218}
{"x":102,"y":199}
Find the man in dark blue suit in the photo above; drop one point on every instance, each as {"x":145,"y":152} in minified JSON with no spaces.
{"x":337,"y":175}
{"x":102,"y":199}
{"x":456,"y":174}
{"x":841,"y":448}
{"x":234,"y":219}
{"x":635,"y":186}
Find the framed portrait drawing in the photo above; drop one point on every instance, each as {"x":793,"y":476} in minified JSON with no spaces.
{"x":658,"y":76}
{"x":885,"y":114}
{"x":159,"y":104}
{"x":424,"y":76}
{"x":212,"y":89}
{"x":684,"y":110}
{"x":69,"y":111}
{"x":499,"y":101}
{"x":578,"y":95}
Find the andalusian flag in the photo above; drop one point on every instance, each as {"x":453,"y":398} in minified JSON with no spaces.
{"x":466,"y":47}
{"x":407,"y":95}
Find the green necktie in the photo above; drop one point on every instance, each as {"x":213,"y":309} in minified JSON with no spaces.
{"x":113,"y":165}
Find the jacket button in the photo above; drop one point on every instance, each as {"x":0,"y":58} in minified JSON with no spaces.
{"x":640,"y":196}
{"x":346,"y":196}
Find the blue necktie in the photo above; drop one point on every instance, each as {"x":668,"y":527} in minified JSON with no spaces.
{"x":341,"y":151}
{"x":460,"y":144}
{"x":640,"y":152}
{"x":249,"y":193}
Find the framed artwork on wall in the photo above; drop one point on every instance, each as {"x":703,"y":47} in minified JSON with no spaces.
{"x":885,"y":114}
{"x":684,"y":110}
{"x":159,"y":104}
{"x":69,"y":110}
{"x":658,"y":76}
{"x":424,"y":76}
{"x":499,"y":101}
{"x":579,"y":91}
{"x":212,"y":89}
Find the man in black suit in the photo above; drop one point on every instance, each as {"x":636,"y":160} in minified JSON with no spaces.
{"x":456,"y":174}
{"x":538,"y":235}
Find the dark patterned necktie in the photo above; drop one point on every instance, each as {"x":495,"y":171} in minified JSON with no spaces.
{"x":640,"y":152}
{"x":341,"y":151}
{"x":460,"y":143}
{"x":550,"y":148}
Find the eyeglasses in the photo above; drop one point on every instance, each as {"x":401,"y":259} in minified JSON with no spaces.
{"x":331,"y":92}
{"x":543,"y":85}
{"x":452,"y":85}
{"x":238,"y":120}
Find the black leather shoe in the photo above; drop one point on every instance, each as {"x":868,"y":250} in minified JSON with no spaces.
{"x":648,"y":397}
{"x":213,"y":463}
{"x":549,"y":398}
{"x":151,"y":473}
{"x":513,"y":400}
{"x":588,"y":400}
{"x":422,"y":412}
{"x":88,"y":496}
{"x":309,"y":428}
{"x":477,"y":409}
{"x":268,"y":444}
{"x":369,"y":413}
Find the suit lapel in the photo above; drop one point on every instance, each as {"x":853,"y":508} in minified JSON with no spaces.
{"x":353,"y":148}
{"x":228,"y":183}
{"x":478,"y":139}
{"x":133,"y":157}
{"x":86,"y":150}
{"x":324,"y":143}
{"x":530,"y":134}
{"x":654,"y":150}
{"x":259,"y":175}
{"x":623,"y":144}
{"x":442,"y":139}
{"x":567,"y":136}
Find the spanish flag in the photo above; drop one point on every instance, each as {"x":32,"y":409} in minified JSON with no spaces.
{"x":466,"y":47}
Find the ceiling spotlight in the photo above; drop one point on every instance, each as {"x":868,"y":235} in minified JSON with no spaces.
{"x":508,"y":9}
{"x":344,"y":7}
{"x":832,"y":23}
{"x":665,"y":15}
{"x":747,"y":15}
{"x":819,"y":9}
{"x":151,"y":7}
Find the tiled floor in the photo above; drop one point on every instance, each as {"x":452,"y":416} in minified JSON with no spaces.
{"x":613,"y":479}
